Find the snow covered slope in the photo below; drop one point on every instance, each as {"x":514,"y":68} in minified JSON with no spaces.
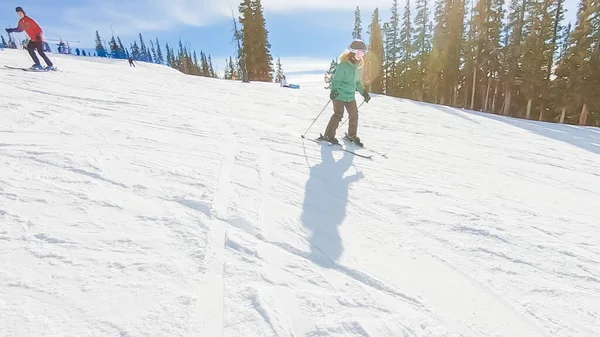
{"x":143,"y":202}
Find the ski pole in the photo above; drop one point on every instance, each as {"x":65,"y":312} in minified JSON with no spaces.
{"x":325,"y":107}
{"x":363,"y":102}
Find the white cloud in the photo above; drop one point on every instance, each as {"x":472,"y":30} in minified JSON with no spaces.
{"x":135,"y":15}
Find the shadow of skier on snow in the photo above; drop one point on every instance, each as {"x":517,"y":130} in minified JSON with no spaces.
{"x":324,"y":208}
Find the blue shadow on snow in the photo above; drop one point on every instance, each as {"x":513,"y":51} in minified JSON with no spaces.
{"x":324,"y":207}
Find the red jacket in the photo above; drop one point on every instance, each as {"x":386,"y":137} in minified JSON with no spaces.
{"x":30,"y":27}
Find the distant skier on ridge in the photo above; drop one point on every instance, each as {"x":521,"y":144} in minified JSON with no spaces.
{"x":35,"y":33}
{"x":346,"y":81}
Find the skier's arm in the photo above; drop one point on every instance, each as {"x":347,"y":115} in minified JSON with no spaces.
{"x":19,"y":28}
{"x":359,"y":86}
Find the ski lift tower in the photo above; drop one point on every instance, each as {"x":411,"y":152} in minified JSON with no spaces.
{"x":11,"y":42}
{"x":63,"y":45}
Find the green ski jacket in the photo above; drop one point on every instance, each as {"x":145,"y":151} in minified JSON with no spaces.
{"x":347,"y":81}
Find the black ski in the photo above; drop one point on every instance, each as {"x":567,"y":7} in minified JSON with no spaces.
{"x":340,"y":147}
{"x":366,"y":148}
{"x":29,"y":69}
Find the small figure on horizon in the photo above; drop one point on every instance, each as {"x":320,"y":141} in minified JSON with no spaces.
{"x":131,"y":64}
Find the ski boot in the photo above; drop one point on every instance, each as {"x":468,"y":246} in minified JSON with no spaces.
{"x":36,"y":67}
{"x":332,"y":140}
{"x":50,"y":68}
{"x":354,"y":140}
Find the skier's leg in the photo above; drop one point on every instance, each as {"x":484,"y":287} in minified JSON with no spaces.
{"x":40,"y":50}
{"x":352,"y":118}
{"x":31,"y":46}
{"x":336,"y":118}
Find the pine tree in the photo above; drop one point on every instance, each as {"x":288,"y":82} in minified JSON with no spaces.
{"x":211,"y":69}
{"x":375,"y":58}
{"x":421,"y":47}
{"x":357,"y":32}
{"x":121,"y":47}
{"x":564,"y":45}
{"x":278,"y":71}
{"x":169,"y":59}
{"x":255,"y":42}
{"x":203,"y":65}
{"x":238,"y":36}
{"x":153,"y":50}
{"x":159,"y":55}
{"x":227,"y":73}
{"x":100,"y":50}
{"x":135,"y":51}
{"x":404,"y":65}
{"x":330,"y":73}
{"x":516,"y":22}
{"x":392,"y":50}
{"x":443,"y":71}
{"x":537,"y":53}
{"x":484,"y":51}
{"x":181,"y":58}
{"x":143,"y":50}
{"x":576,"y":70}
{"x":114,"y":48}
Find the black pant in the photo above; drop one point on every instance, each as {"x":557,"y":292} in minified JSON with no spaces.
{"x":31,"y":48}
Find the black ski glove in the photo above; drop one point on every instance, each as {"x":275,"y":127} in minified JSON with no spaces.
{"x":334,"y":94}
{"x":366,"y":96}
{"x":10,"y":30}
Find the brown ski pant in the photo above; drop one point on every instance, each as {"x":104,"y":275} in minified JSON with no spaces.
{"x":338,"y":114}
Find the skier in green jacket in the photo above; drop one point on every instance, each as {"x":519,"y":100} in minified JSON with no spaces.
{"x":346,"y":82}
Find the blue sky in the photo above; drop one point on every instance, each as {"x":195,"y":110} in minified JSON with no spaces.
{"x":306,"y":34}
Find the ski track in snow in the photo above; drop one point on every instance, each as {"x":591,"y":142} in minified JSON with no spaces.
{"x":142,"y":202}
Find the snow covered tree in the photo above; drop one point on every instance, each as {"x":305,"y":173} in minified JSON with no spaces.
{"x":330,"y":73}
{"x":279,"y":71}
{"x":357,"y":32}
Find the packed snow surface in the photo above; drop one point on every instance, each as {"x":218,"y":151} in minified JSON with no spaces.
{"x":144,"y":202}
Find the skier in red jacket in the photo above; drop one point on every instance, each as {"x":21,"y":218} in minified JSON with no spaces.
{"x":35,"y":33}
